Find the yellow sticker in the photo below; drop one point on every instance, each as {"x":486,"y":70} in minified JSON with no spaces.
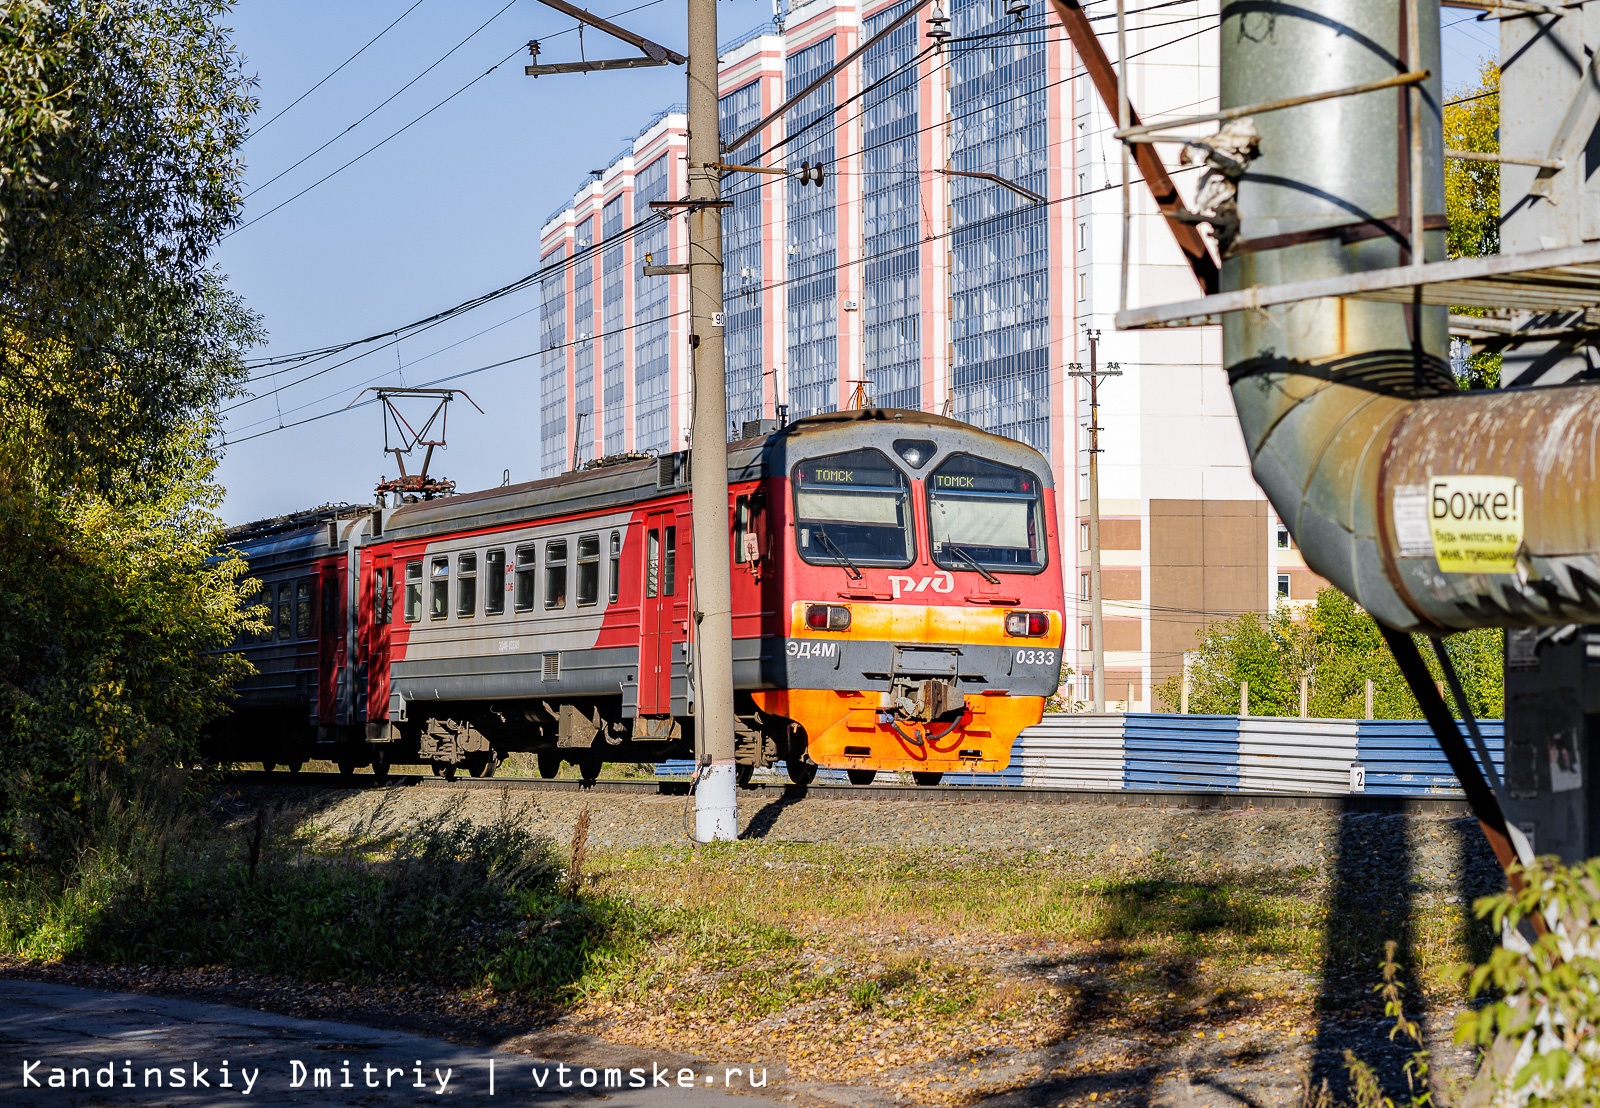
{"x":1476,"y":523}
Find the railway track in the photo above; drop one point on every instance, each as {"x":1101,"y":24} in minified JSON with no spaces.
{"x":946,"y":794}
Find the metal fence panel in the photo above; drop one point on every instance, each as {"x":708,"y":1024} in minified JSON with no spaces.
{"x":1181,"y":752}
{"x":1066,"y":751}
{"x":1286,"y":755}
{"x":1402,"y":758}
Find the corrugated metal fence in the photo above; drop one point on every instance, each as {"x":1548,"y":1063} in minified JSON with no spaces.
{"x":1191,"y":753}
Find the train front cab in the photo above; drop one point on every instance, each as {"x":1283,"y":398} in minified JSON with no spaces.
{"x":921,"y":624}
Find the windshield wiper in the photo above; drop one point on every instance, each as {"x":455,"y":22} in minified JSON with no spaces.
{"x":822,"y":534}
{"x":971,"y":561}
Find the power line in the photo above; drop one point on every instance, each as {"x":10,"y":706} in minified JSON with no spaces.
{"x":257,"y":130}
{"x":436,"y":63}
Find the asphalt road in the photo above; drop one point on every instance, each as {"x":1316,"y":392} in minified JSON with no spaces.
{"x":125,"y":1048}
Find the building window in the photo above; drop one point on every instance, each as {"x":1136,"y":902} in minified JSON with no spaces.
{"x":413,"y":591}
{"x":588,"y":570}
{"x":467,"y":586}
{"x":494,"y":585}
{"x":555,"y":574}
{"x":1083,"y":536}
{"x":1283,"y":586}
{"x":1083,"y":287}
{"x":1283,"y":537}
{"x":1084,"y":592}
{"x":302,"y":609}
{"x":439,"y":597}
{"x":1083,"y":236}
{"x":1083,"y":488}
{"x":1085,"y":639}
{"x":616,"y":566}
{"x":526,"y":583}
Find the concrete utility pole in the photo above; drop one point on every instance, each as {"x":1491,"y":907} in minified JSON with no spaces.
{"x":716,"y":795}
{"x":1096,"y":621}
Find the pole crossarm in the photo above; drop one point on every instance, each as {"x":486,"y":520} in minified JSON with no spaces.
{"x":1180,"y":221}
{"x":1026,"y":194}
{"x":654,"y":53}
{"x":1564,"y":279}
{"x":1136,"y":131}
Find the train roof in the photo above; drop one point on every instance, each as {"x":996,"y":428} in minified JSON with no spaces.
{"x":629,"y":479}
{"x":294,"y":521}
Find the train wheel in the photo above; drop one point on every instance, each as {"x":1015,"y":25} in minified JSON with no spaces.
{"x":267,"y":767}
{"x":447,"y":772}
{"x":926,"y":778}
{"x":295,"y":767}
{"x":589,"y":767}
{"x":347,"y":768}
{"x":380,"y":763}
{"x":549,"y":764}
{"x":861,"y":776}
{"x":802,"y":770}
{"x":438,"y":770}
{"x":484,"y":766}
{"x":743,"y":775}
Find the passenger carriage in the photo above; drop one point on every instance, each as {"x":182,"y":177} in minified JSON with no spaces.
{"x":897,"y":605}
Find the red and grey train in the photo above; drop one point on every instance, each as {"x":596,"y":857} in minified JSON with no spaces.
{"x":897,"y":605}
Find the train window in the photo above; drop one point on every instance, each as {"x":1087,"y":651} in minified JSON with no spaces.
{"x":439,"y":589}
{"x":616,"y":567}
{"x":285,"y":611}
{"x":853,"y":509}
{"x":526,"y":583}
{"x":382,"y":595}
{"x":652,"y":563}
{"x":555,"y":574}
{"x":669,"y":560}
{"x":302,"y":609}
{"x":984,"y":516}
{"x":741,"y":531}
{"x":413,"y":591}
{"x":588,"y":569}
{"x":494,"y":585}
{"x":466,"y":585}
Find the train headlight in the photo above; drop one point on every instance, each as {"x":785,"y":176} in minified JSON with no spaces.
{"x":827,"y":617}
{"x":1027,"y":625}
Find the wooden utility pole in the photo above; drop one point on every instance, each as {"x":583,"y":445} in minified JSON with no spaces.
{"x":716,"y":794}
{"x":1096,"y":615}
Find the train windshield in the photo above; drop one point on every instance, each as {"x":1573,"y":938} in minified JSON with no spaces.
{"x":852,"y":509}
{"x":985,"y":516}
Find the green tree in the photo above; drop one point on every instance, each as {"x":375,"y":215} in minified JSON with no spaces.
{"x":1338,"y":647}
{"x":117,"y":345}
{"x":1472,"y":192}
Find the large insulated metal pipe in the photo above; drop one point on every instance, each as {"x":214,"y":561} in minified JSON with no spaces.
{"x":1434,"y":509}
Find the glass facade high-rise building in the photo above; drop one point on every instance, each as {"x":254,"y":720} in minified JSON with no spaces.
{"x":741,"y":261}
{"x":613,"y":340}
{"x":999,"y":240}
{"x":891,"y":262}
{"x":965,"y":239}
{"x":651,"y":349}
{"x":812,"y":224}
{"x":583,"y":294}
{"x":553,"y":361}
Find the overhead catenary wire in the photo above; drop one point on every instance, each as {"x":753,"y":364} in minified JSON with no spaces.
{"x":254,"y":131}
{"x":401,"y":130}
{"x":603,"y":244}
{"x":386,"y":102}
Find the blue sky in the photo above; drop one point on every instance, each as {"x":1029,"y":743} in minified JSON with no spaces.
{"x":447,"y":210}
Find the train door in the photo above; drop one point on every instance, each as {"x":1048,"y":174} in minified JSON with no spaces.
{"x":382,"y":612}
{"x":655,"y":619}
{"x":330,"y":642}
